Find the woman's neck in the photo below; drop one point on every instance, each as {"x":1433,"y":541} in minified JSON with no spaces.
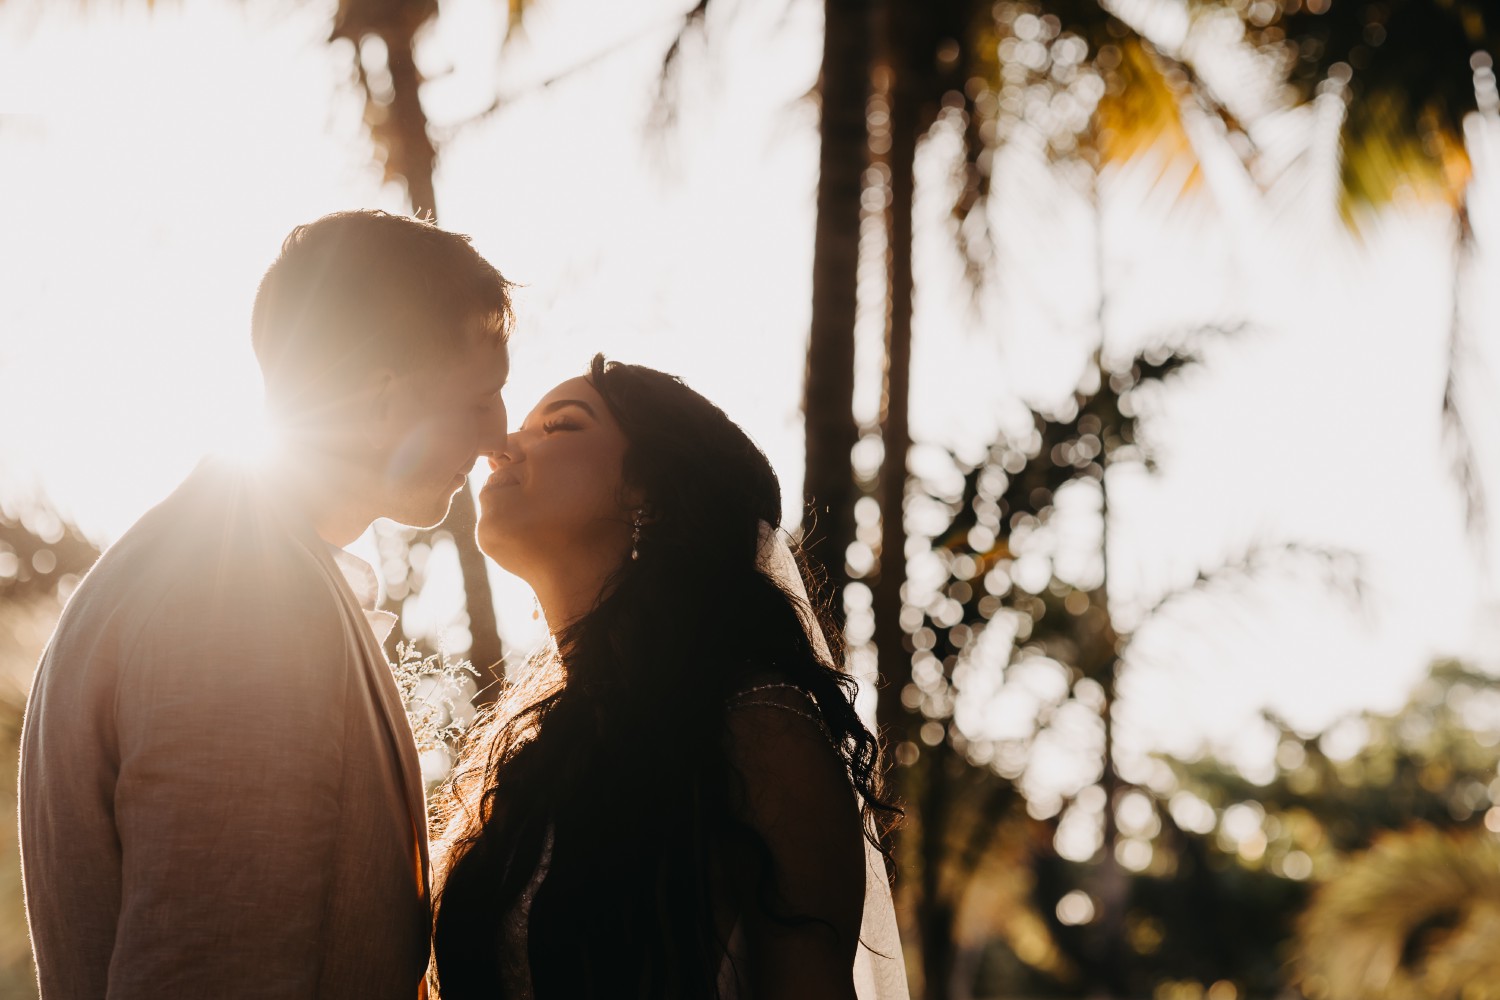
{"x":570,"y":588}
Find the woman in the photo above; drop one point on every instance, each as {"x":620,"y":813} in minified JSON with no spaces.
{"x":677,"y":799}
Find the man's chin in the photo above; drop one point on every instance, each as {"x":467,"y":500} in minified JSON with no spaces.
{"x":429,"y":516}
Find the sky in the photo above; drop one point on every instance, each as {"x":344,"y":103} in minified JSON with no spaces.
{"x":151,"y":164}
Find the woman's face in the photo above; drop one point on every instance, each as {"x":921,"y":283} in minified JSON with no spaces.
{"x":557,"y":490}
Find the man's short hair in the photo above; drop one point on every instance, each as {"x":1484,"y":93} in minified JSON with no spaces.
{"x":355,"y":291}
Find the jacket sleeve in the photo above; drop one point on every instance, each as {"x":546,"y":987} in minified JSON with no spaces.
{"x":230,"y":718}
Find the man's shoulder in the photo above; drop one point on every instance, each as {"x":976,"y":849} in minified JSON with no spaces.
{"x":214,"y":544}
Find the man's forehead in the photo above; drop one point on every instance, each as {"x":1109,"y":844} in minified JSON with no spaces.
{"x":477,"y":366}
{"x":489,"y":331}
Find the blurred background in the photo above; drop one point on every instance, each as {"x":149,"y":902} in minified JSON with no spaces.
{"x":1128,"y":365}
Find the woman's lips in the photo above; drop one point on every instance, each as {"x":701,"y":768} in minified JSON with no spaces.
{"x":500,"y":479}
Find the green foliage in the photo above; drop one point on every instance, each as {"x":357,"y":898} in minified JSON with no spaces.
{"x":1093,"y":84}
{"x":39,"y":553}
{"x":17,"y":977}
{"x":1364,"y":871}
{"x":1435,"y":762}
{"x":1415,"y":917}
{"x":1194,"y":916}
{"x":1386,"y":815}
{"x":42,"y":558}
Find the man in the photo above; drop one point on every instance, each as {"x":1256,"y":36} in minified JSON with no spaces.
{"x":220,"y":796}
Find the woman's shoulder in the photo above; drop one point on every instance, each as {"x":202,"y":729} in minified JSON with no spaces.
{"x":765,"y":690}
{"x":780,"y":744}
{"x":798,"y":798}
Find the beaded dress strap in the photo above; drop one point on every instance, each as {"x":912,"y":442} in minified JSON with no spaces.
{"x":746,"y":699}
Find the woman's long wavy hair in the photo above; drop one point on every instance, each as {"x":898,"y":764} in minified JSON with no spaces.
{"x":616,"y":740}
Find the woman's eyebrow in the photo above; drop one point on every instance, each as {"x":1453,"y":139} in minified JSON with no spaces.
{"x":558,"y":404}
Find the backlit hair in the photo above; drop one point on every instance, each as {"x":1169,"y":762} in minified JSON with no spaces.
{"x":355,"y":291}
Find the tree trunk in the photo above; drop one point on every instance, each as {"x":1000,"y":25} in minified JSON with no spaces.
{"x":485,"y":651}
{"x":411,"y":155}
{"x":1105,"y":940}
{"x":934,"y":913}
{"x":935,"y":910}
{"x":895,"y":431}
{"x":828,"y":392}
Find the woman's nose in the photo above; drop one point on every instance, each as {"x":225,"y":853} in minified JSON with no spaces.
{"x":509,"y":454}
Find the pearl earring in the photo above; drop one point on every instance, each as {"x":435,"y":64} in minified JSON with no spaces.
{"x":635,"y":538}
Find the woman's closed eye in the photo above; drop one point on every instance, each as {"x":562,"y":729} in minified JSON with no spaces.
{"x":560,"y":424}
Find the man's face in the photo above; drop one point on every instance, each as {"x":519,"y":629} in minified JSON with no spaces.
{"x":440,"y":419}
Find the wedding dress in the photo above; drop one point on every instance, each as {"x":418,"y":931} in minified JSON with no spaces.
{"x":879,"y":969}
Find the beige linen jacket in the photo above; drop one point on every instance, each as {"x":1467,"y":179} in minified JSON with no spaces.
{"x":220,"y":796}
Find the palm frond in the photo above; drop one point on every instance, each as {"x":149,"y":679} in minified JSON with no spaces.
{"x":1406,"y":69}
{"x":1391,"y":153}
{"x":1342,"y":569}
{"x":1414,"y":916}
{"x":664,"y":109}
{"x":1140,"y":114}
{"x":1464,"y":452}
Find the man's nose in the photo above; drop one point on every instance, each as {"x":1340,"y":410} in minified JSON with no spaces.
{"x":511,"y":451}
{"x":505,"y":454}
{"x":495,"y":436}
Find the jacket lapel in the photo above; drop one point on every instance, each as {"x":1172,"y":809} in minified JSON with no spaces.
{"x":372,"y":664}
{"x":377,"y":673}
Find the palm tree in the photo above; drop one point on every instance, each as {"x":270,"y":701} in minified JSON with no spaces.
{"x":1403,"y":130}
{"x":956,"y":58}
{"x":1143,"y":89}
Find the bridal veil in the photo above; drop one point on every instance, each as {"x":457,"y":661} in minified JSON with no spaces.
{"x":879,"y":970}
